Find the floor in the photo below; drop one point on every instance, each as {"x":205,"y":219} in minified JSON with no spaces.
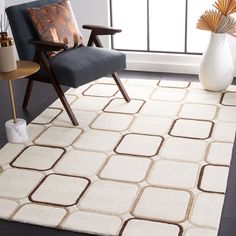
{"x":43,"y":95}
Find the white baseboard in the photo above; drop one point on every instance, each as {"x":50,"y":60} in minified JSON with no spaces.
{"x":162,"y":67}
{"x":160,"y":62}
{"x":170,"y":63}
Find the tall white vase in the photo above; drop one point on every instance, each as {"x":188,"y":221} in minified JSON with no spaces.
{"x":217,"y":66}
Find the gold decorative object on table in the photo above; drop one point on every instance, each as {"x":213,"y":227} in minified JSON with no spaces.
{"x":7,"y":54}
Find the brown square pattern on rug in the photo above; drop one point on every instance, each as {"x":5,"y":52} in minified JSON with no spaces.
{"x":155,"y":166}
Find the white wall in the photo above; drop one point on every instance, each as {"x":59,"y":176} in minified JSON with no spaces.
{"x":94,"y":12}
{"x":86,"y":12}
{"x":2,"y":4}
{"x":2,"y":7}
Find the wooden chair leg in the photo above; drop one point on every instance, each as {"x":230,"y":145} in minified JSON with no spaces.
{"x":121,"y":87}
{"x":93,"y":39}
{"x":65,"y":103}
{"x":58,"y":89}
{"x":27,"y":93}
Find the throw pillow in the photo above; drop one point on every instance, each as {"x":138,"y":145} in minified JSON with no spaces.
{"x":56,"y":23}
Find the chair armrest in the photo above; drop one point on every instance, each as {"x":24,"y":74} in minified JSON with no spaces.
{"x":101,"y":30}
{"x":48,"y":46}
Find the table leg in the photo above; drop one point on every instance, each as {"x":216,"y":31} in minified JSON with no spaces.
{"x":12,"y":101}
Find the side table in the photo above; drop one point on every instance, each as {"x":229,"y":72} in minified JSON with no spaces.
{"x":16,"y":128}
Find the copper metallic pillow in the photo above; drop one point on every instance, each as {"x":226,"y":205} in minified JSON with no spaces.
{"x":56,"y":23}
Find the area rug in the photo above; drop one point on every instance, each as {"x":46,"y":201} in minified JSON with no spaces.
{"x":155,"y":166}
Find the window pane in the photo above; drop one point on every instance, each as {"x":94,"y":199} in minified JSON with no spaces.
{"x":197,"y":39}
{"x":167,"y":25}
{"x":131,"y":17}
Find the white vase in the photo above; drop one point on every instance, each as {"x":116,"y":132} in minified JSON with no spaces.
{"x":217,"y":66}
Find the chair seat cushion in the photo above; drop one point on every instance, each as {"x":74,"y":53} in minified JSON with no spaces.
{"x":78,"y":66}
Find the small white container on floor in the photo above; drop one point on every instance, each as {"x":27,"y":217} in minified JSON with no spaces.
{"x":16,"y":132}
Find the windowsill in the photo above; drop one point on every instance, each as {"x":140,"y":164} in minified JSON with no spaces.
{"x":163,"y":62}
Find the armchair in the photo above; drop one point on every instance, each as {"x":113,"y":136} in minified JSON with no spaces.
{"x":71,"y":67}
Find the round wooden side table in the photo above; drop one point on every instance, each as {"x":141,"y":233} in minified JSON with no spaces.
{"x":24,"y":69}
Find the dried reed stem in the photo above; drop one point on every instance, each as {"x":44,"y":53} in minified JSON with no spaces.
{"x":227,"y":24}
{"x":4,"y":23}
{"x":225,"y":7}
{"x":209,"y":20}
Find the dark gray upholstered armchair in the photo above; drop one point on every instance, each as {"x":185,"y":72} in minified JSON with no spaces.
{"x":72,"y":67}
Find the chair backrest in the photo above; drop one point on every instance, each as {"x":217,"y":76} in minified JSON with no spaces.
{"x":22,"y":27}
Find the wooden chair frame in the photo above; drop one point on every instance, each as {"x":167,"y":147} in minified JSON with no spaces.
{"x":42,"y":47}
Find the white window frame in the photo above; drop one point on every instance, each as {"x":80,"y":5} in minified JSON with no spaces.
{"x":171,"y":62}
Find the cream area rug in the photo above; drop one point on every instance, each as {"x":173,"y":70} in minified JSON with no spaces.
{"x":155,"y":166}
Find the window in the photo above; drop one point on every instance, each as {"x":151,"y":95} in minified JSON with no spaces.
{"x":159,"y":26}
{"x":131,"y":17}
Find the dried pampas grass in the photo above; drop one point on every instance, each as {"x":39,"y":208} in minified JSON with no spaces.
{"x":219,"y":21}
{"x":225,"y":7}
{"x":209,"y":20}
{"x":227,"y":25}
